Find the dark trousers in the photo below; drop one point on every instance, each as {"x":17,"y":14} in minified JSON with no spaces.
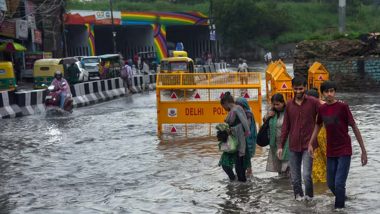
{"x":239,"y":168}
{"x":296,"y":160}
{"x":337,"y":173}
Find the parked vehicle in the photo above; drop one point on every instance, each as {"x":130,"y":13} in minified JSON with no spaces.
{"x":7,"y":76}
{"x":110,"y":66}
{"x":91,"y":64}
{"x":79,"y":58}
{"x":43,"y":71}
{"x":84,"y":75}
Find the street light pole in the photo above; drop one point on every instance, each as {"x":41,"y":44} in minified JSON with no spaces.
{"x":342,"y":16}
{"x":213,"y":29}
{"x":113,"y":29}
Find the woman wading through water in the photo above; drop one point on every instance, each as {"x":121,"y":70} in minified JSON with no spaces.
{"x":238,"y":126}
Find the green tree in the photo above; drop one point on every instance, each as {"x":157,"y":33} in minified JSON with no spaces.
{"x":245,"y":22}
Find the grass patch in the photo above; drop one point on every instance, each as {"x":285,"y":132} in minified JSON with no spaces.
{"x":316,"y":21}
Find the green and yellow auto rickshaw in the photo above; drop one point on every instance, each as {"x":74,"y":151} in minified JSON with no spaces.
{"x":7,"y":76}
{"x":44,"y":69}
{"x":109,"y":66}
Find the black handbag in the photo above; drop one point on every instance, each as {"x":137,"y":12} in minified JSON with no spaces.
{"x":222,"y":136}
{"x":263,"y":135}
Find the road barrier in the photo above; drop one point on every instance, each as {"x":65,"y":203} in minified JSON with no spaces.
{"x":224,"y":67}
{"x":215,"y":67}
{"x":278,"y":81}
{"x":189,"y":104}
{"x":8,"y":106}
{"x":31,"y":102}
{"x":317,"y":74}
{"x":137,"y":82}
{"x":17,"y":104}
{"x":89,"y":93}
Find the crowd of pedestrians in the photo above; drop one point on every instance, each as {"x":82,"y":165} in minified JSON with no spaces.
{"x":308,"y":139}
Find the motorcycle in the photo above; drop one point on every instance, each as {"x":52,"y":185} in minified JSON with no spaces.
{"x":53,"y":99}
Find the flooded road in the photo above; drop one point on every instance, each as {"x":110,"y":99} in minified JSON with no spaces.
{"x":107,"y":159}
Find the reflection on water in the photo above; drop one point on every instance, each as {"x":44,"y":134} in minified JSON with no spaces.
{"x":108,"y":159}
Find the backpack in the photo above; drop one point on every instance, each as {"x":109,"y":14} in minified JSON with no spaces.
{"x":263,"y":135}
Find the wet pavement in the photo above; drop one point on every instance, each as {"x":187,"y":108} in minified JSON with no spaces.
{"x":107,"y":158}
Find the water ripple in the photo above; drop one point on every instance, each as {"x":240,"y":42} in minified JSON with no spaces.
{"x":108,"y":159}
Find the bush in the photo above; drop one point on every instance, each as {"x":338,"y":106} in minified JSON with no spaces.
{"x":245,"y":21}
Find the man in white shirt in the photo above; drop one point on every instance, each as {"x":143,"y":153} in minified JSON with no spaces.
{"x":127,"y":75}
{"x":268,"y":57}
{"x":243,"y":67}
{"x":145,"y":68}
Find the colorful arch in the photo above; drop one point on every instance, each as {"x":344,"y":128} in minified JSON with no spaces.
{"x":159,"y":33}
{"x":163,"y":18}
{"x":91,"y":39}
{"x":158,"y":21}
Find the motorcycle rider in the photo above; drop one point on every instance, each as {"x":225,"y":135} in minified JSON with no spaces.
{"x":62,"y":86}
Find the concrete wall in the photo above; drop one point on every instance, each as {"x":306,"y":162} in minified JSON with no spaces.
{"x":372,"y":69}
{"x":355,"y":74}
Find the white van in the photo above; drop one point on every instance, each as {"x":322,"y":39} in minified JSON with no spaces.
{"x":90,"y":63}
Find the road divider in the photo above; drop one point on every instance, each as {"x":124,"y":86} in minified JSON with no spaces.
{"x":212,"y":68}
{"x":89,"y":93}
{"x":22,"y":103}
{"x":8,"y":106}
{"x":31,"y":102}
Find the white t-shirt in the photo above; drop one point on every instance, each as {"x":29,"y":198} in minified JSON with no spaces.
{"x":145,"y":68}
{"x":243,"y":67}
{"x":268,"y":57}
{"x":129,"y":71}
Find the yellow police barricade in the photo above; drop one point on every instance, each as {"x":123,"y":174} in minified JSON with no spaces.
{"x":282,"y":83}
{"x":317,"y":74}
{"x":188,"y":104}
{"x":275,"y":68}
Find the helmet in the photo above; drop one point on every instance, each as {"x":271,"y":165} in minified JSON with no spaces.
{"x":58,"y":74}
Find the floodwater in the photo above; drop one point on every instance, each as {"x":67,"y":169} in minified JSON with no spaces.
{"x":107,"y":159}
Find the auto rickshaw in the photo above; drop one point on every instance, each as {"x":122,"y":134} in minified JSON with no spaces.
{"x":109,"y":66}
{"x":7,"y":76}
{"x":178,"y":63}
{"x":43,"y":71}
